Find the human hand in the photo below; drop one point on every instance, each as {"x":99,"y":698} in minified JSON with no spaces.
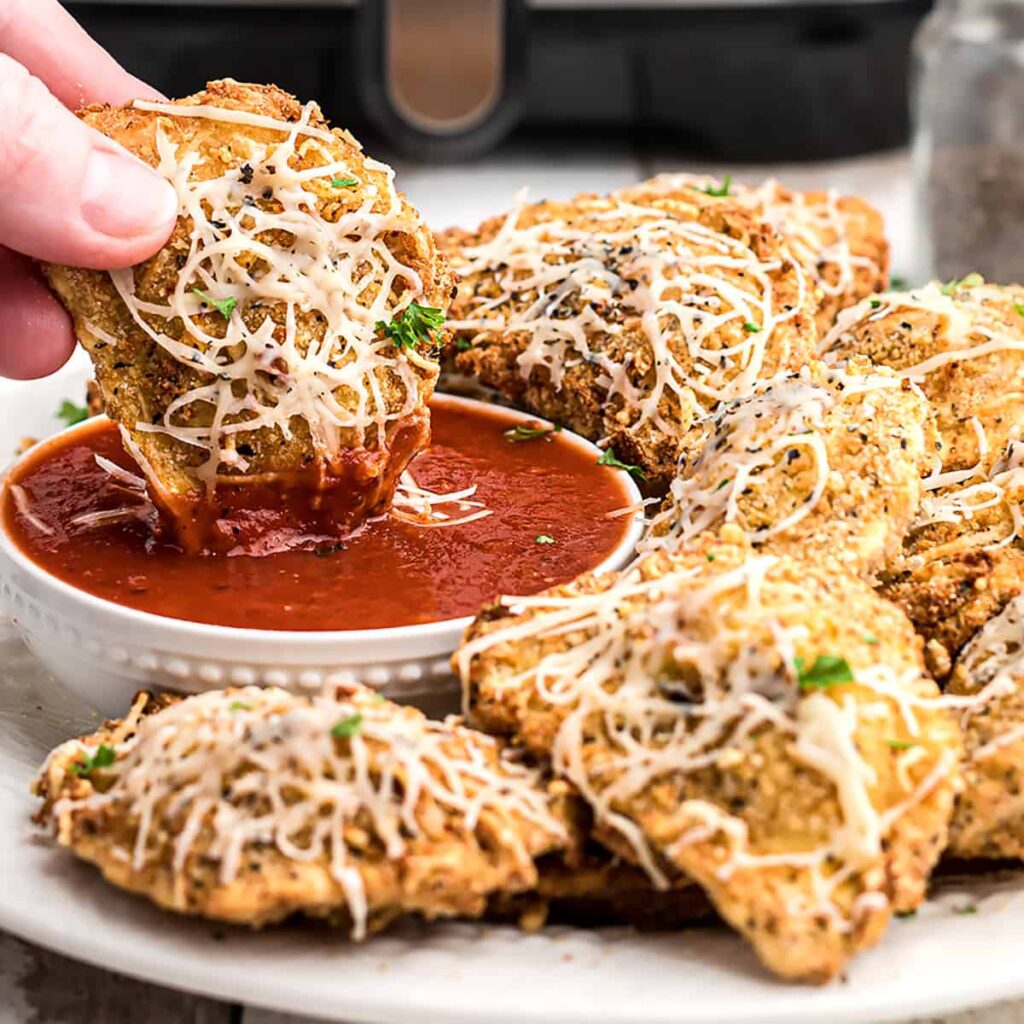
{"x":67,"y":193}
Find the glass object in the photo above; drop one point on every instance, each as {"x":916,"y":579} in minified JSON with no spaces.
{"x":968,"y":144}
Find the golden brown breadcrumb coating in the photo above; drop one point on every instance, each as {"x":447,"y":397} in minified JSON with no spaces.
{"x":262,"y":306}
{"x":249,"y":805}
{"x":823,"y":463}
{"x":989,"y":818}
{"x":840,"y":240}
{"x":626,"y":321}
{"x":761,"y":724}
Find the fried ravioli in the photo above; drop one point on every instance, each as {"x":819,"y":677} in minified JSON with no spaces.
{"x":839,"y":240}
{"x":250,"y":805}
{"x":288,"y":329}
{"x":627,"y":321}
{"x":963,"y":558}
{"x":824,"y":462}
{"x":963,"y":343}
{"x":760,"y":724}
{"x":989,"y":818}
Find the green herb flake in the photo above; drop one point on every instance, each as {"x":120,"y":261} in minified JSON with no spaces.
{"x":71,"y":413}
{"x":239,"y":705}
{"x":462,"y":345}
{"x":343,"y":182}
{"x":718,"y":190}
{"x":751,"y":328}
{"x":412,"y":325}
{"x":906,"y":913}
{"x":966,"y":908}
{"x":898,"y":284}
{"x":609,"y":458}
{"x":521,"y":432}
{"x":827,"y":670}
{"x":711,"y":556}
{"x":901,"y":744}
{"x":543,"y":538}
{"x":223,"y":306}
{"x":875,"y":303}
{"x":103,"y":758}
{"x":970,"y":281}
{"x":869,"y":638}
{"x":723,"y":483}
{"x":347,"y":727}
{"x":1019,"y":306}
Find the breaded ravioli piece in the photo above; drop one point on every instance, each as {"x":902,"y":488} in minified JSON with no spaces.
{"x":963,"y":344}
{"x":989,"y":818}
{"x":840,"y":240}
{"x":250,"y":805}
{"x":626,"y":321}
{"x":287,"y":331}
{"x":963,"y":557}
{"x":824,"y":463}
{"x":759,"y":723}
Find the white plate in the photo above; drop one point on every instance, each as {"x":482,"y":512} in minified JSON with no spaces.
{"x":936,"y":962}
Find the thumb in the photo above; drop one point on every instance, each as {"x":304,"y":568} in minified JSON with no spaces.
{"x":67,"y":193}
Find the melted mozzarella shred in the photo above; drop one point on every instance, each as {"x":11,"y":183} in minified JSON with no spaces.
{"x":748,"y":442}
{"x":255,"y":767}
{"x":256,"y":373}
{"x":652,"y":684}
{"x":674,"y":276}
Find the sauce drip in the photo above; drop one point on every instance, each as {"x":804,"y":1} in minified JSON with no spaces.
{"x":388,"y":573}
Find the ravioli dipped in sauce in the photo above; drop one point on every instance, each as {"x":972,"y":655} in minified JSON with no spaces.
{"x":492,"y":506}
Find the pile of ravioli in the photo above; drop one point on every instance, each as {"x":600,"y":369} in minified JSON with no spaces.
{"x":804,"y":693}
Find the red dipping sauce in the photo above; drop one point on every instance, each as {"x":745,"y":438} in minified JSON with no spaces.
{"x":389,"y":573}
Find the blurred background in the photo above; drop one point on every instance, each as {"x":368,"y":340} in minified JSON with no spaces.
{"x":474,"y":99}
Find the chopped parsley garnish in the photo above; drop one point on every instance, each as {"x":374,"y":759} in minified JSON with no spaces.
{"x":347,"y":727}
{"x":875,"y":303}
{"x":827,"y":670}
{"x":966,"y":908}
{"x":543,"y":538}
{"x":523,"y":433}
{"x":609,"y":458}
{"x":343,"y":182}
{"x":970,"y":281}
{"x":239,"y":705}
{"x":1019,"y":306}
{"x":223,"y":306}
{"x":869,"y":638}
{"x":902,"y":744}
{"x":711,"y":556}
{"x":462,"y":345}
{"x":103,"y":758}
{"x":414,"y":324}
{"x":723,"y":483}
{"x":718,"y":190}
{"x":71,"y":413}
{"x":906,"y":913}
{"x":898,"y":284}
{"x":751,"y":328}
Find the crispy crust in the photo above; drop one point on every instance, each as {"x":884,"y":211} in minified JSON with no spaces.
{"x":780,"y":803}
{"x":448,"y":869}
{"x":138,"y":379}
{"x":580,"y":400}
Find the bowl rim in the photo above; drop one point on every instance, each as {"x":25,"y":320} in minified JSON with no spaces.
{"x":422,"y":631}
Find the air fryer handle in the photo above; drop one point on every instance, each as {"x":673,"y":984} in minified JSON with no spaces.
{"x":442,"y":79}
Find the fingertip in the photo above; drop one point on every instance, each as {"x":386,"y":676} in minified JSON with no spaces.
{"x":38,"y":337}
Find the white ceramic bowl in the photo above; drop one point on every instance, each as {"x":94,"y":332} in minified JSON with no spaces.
{"x":105,"y":652}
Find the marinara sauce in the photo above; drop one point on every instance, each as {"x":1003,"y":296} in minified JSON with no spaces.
{"x":549,"y":521}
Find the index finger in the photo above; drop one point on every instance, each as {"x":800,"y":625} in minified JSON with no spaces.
{"x":41,"y":36}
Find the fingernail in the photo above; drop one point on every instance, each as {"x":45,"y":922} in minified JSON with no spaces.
{"x":123,"y":198}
